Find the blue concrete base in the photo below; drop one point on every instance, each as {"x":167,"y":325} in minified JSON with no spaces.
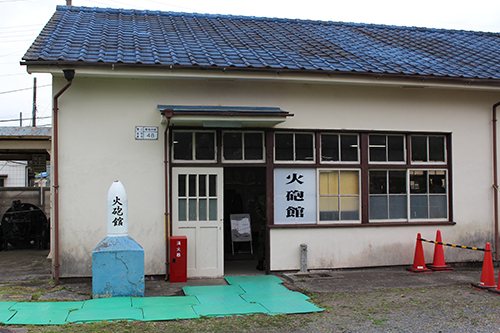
{"x":118,"y":268}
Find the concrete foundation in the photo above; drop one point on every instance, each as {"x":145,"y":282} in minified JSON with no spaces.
{"x":118,"y":268}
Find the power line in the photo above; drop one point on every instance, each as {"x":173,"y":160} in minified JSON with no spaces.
{"x":18,"y":40}
{"x":135,"y":5}
{"x":2,"y":1}
{"x":181,"y":7}
{"x":11,"y":91}
{"x":8,"y":31}
{"x":28,"y":118}
{"x":19,"y":33}
{"x":8,"y":54}
{"x":13,"y":74}
{"x":22,"y":26}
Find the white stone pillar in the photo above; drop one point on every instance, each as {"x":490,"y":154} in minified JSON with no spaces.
{"x":117,"y":209}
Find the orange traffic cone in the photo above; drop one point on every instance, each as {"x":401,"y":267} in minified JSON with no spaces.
{"x":419,"y":261}
{"x":438,"y":263}
{"x":487,"y":275}
{"x":497,"y":289}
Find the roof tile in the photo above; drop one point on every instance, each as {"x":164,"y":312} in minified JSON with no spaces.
{"x":134,"y":37}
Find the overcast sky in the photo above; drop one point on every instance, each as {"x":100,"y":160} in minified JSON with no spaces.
{"x":22,"y":20}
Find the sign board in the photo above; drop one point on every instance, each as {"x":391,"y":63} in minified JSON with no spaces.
{"x":240,"y":228}
{"x":39,"y":163}
{"x":294,"y":196}
{"x":146,"y":133}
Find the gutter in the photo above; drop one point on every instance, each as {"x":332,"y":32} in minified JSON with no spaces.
{"x":292,"y":75}
{"x":69,"y":74}
{"x":168,"y":113}
{"x":495,"y":177}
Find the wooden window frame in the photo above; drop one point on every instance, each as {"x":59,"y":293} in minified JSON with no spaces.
{"x":363,"y":165}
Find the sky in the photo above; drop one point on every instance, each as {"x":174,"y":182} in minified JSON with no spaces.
{"x":22,"y":20}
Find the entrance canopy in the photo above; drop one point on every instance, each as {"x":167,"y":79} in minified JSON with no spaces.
{"x":222,"y":116}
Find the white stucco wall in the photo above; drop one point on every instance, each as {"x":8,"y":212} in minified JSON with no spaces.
{"x":467,"y":115}
{"x":14,"y":173}
{"x":97,"y":146}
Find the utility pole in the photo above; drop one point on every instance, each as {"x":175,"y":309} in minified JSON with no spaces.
{"x":33,"y":123}
{"x":20,"y":119}
{"x":68,"y":3}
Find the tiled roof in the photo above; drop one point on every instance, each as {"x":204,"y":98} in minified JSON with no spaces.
{"x":87,"y":36}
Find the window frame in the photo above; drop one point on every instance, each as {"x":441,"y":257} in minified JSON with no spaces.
{"x":339,"y":143}
{"x":408,"y":194}
{"x":294,"y":133}
{"x":363,"y":166}
{"x":193,"y":148}
{"x":405,"y":149}
{"x":428,"y":162}
{"x":428,"y":194}
{"x":388,"y":194}
{"x":243,"y":160}
{"x":318,"y":197}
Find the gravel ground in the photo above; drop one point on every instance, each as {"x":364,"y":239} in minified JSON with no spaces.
{"x":457,"y":308}
{"x":370,"y":300}
{"x":435,"y":309}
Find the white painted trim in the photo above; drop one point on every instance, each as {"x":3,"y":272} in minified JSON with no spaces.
{"x":232,"y":75}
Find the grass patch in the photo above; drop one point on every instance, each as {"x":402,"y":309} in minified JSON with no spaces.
{"x":250,"y":323}
{"x":379,"y":322}
{"x":36,"y":292}
{"x":18,"y":290}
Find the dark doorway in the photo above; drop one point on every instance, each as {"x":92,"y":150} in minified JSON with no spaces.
{"x":242,"y":187}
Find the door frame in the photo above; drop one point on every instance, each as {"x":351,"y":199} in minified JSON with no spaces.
{"x":206,"y":234}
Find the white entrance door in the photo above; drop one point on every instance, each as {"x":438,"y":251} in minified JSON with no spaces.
{"x":197,"y":212}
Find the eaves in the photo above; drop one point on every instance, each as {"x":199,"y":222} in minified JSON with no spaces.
{"x":262,"y":74}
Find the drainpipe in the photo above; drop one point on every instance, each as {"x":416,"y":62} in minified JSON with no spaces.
{"x":168,"y":113}
{"x":69,"y":74}
{"x":495,"y":178}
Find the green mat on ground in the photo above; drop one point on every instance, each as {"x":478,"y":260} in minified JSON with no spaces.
{"x":109,"y":302}
{"x":244,"y":295}
{"x":110,"y":309}
{"x":215,"y":299}
{"x":42,"y":313}
{"x":225,"y":304}
{"x":89,"y":315}
{"x":166,"y":308}
{"x":5,"y":313}
{"x":217,"y":309}
{"x":268,"y":291}
{"x":164,"y":301}
{"x":223,"y":301}
{"x":264,"y":287}
{"x":289,"y":306}
{"x":282,"y":296}
{"x":6,"y":305}
{"x":253,"y":279}
{"x":213,"y":290}
{"x":168,"y":313}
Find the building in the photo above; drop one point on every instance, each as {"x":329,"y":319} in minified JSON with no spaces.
{"x":21,"y":147}
{"x":13,"y":173}
{"x":359,"y":136}
{"x":24,"y":151}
